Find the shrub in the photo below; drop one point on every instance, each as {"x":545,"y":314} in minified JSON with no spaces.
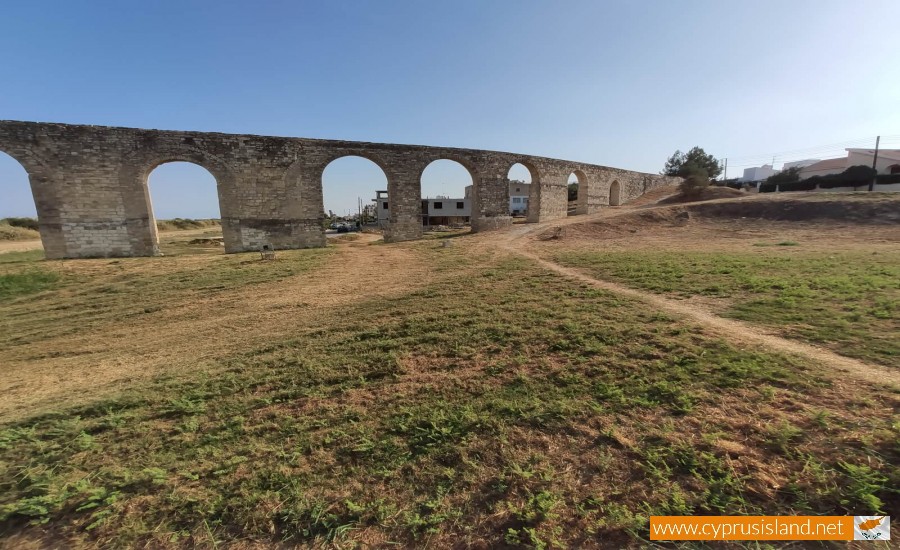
{"x":804,"y":185}
{"x":790,"y":175}
{"x":26,"y":223}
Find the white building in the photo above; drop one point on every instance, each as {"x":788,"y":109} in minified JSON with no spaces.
{"x":446,"y":211}
{"x":435,"y":211}
{"x":888,"y":159}
{"x":518,"y":197}
{"x":824,"y":168}
{"x":758,"y":173}
{"x":381,"y":208}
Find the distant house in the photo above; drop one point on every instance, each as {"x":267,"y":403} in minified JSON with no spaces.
{"x":888,"y":163}
{"x":382,"y":213}
{"x":758,"y":173}
{"x":518,"y":197}
{"x":435,"y":211}
{"x":446,"y":211}
{"x":824,"y":168}
{"x":888,"y":159}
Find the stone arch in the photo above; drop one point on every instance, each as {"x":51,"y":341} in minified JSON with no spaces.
{"x":371,"y":159}
{"x":615,"y":193}
{"x":450,"y":211}
{"x":303,"y":179}
{"x":462,"y":161}
{"x":18,"y":174}
{"x":45,"y":197}
{"x":581,"y":199}
{"x":521,"y":206}
{"x":133,"y":183}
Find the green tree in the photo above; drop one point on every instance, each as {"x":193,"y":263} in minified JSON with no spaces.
{"x":685,"y":164}
{"x":785,"y":176}
{"x":858,"y":174}
{"x":696,"y":179}
{"x":573,"y":191}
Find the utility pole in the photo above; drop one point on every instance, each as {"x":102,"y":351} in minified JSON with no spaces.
{"x":725,"y":172}
{"x":874,"y":164}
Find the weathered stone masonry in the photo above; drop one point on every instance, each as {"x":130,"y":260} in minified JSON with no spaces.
{"x":90,"y":185}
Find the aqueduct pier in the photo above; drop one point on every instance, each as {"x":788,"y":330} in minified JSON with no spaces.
{"x":90,"y":185}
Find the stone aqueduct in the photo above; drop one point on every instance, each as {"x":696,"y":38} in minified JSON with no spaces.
{"x":90,"y":185}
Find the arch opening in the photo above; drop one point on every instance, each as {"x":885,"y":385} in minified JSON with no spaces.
{"x":520,"y":179}
{"x":18,"y":209}
{"x":447,"y":193}
{"x":183,"y":205}
{"x":354,"y":195}
{"x":577,"y":193}
{"x":615,"y":194}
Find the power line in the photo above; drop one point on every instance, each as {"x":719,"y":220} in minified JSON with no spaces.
{"x":792,"y":155}
{"x":810,"y":150}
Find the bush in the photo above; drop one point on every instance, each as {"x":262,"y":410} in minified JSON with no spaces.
{"x":26,"y":223}
{"x":805,"y":185}
{"x":790,"y":175}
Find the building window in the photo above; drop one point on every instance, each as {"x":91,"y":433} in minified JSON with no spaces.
{"x":460,"y":205}
{"x":517,"y":200}
{"x":438,"y":205}
{"x":517,"y":190}
{"x":384,"y":205}
{"x":894,"y":168}
{"x":524,"y":199}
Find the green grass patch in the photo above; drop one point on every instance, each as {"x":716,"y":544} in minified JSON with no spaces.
{"x":504,"y":405}
{"x":847,"y":301}
{"x":27,"y":256}
{"x":24,"y":282}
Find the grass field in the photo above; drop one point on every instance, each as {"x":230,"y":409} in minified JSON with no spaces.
{"x":847,"y":301}
{"x":493,"y":404}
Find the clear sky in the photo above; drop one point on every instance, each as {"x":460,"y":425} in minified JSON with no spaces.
{"x":620,"y":83}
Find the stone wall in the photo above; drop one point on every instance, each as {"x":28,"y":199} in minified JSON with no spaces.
{"x":91,"y":193}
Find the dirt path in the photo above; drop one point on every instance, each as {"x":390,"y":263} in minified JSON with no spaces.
{"x":730,"y":330}
{"x":20,"y":246}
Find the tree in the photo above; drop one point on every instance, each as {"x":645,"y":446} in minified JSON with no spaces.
{"x":685,"y":164}
{"x":573,"y":191}
{"x":858,"y":175}
{"x":695,"y":181}
{"x":790,"y":175}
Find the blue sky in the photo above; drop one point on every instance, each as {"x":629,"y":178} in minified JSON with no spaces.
{"x":621,"y":83}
